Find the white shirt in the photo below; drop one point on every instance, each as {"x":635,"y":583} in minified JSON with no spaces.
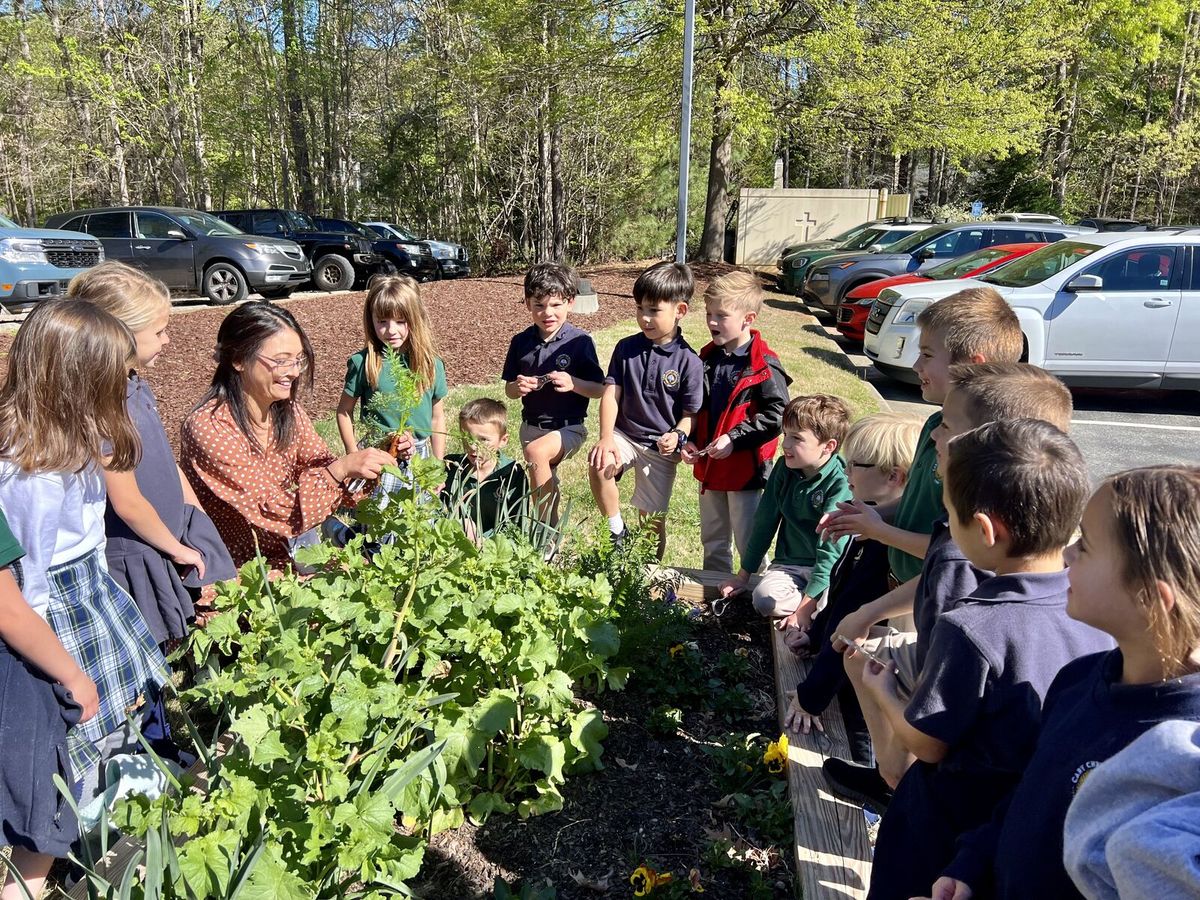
{"x":57,"y":517}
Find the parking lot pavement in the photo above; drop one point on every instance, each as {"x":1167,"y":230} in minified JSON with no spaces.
{"x":1115,"y":429}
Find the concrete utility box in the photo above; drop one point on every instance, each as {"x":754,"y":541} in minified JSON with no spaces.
{"x":770,"y":219}
{"x":586,"y":301}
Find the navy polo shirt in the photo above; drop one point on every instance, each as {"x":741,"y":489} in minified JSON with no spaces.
{"x":659,"y":385}
{"x":569,"y":350}
{"x":725,"y":368}
{"x":947,"y":576}
{"x":991,"y":659}
{"x":1088,"y":717}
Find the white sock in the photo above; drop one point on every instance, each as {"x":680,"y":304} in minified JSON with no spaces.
{"x":616,"y":524}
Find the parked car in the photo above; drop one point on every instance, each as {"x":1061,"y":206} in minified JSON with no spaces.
{"x":793,"y":268}
{"x":840,"y":240}
{"x":1104,"y":224}
{"x":452,"y":259}
{"x":36,"y":263}
{"x":853,"y":311}
{"x":828,"y":282}
{"x":191,"y":250}
{"x":1043,"y":218}
{"x":339,"y":259}
{"x":1104,"y":310}
{"x":413,"y":258}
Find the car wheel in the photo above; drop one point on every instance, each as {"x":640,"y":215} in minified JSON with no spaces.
{"x":224,"y":284}
{"x":333,"y":273}
{"x":275,"y":293}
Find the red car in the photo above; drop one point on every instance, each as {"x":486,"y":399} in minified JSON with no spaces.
{"x":853,"y":312}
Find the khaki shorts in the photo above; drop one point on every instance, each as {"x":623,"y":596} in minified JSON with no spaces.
{"x":899,"y":648}
{"x":572,"y":437}
{"x":654,"y":474}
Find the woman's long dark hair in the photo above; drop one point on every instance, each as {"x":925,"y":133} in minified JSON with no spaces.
{"x":239,"y":341}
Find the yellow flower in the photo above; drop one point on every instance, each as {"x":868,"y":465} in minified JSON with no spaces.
{"x":676,"y":651}
{"x":776,"y":755}
{"x":644,"y":880}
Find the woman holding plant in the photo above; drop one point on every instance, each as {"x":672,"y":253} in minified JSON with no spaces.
{"x":250,"y":451}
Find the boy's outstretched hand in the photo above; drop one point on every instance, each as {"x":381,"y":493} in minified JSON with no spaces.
{"x":720,"y":448}
{"x":798,"y":721}
{"x":561,"y":382}
{"x":690,"y":453}
{"x":526,"y":384}
{"x":947,"y":888}
{"x":851,"y":518}
{"x":736,"y":585}
{"x":801,"y":618}
{"x":668,"y":443}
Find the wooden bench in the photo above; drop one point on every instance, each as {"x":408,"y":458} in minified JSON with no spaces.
{"x":833,"y":853}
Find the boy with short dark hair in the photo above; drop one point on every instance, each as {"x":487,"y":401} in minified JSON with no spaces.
{"x":1014,"y":492}
{"x":978,"y":394}
{"x":553,"y":368}
{"x":654,"y":387}
{"x":484,"y":487}
{"x":811,"y":481}
{"x":737,"y":430}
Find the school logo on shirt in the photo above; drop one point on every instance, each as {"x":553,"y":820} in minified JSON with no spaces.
{"x":937,"y":475}
{"x":1081,"y":775}
{"x":670,"y":378}
{"x":563,"y":360}
{"x":817,"y":498}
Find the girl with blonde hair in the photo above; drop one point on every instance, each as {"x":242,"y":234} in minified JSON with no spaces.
{"x":161,"y":547}
{"x":394,"y":319}
{"x":62,"y":422}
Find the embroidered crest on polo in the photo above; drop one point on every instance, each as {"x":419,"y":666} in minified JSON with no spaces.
{"x":937,"y":476}
{"x":1081,"y":775}
{"x":817,"y":498}
{"x":563,"y":360}
{"x":670,"y":378}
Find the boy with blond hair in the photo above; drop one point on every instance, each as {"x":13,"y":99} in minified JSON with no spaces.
{"x":553,"y":369}
{"x":654,"y":387}
{"x":737,"y":430}
{"x":810,"y":483}
{"x":484,"y":488}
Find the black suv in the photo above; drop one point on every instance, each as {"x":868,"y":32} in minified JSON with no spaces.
{"x":339,"y":258}
{"x":412,"y":258}
{"x":830,"y":280}
{"x":192,"y":251}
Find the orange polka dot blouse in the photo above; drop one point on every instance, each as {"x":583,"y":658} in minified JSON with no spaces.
{"x":271,"y":495}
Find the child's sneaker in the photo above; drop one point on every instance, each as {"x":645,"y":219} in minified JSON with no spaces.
{"x":861,"y":784}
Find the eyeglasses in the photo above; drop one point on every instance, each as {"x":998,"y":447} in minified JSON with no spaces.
{"x":300,"y":364}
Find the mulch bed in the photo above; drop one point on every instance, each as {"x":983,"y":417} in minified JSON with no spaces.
{"x":655,"y":800}
{"x":472,"y":319}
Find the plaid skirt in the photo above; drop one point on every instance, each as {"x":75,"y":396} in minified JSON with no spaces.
{"x":100,"y":626}
{"x":389,"y":483}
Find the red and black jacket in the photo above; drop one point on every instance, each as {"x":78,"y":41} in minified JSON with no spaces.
{"x":753,"y":419}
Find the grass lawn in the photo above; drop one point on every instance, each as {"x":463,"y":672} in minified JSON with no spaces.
{"x":814,"y":362}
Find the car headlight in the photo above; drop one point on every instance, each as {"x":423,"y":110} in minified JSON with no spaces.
{"x":263,"y":249}
{"x":799,"y":262}
{"x":411,"y":249}
{"x":443,"y":252}
{"x":22,"y":250}
{"x":866,"y":301}
{"x":908,"y":313}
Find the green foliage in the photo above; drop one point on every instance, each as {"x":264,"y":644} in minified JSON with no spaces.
{"x":396,"y":404}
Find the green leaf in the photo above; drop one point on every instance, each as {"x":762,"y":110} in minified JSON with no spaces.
{"x":588,"y":729}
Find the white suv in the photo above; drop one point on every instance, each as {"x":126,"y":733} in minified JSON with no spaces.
{"x":1109,"y":310}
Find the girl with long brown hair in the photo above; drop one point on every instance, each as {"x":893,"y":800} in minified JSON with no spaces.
{"x":62,"y":420}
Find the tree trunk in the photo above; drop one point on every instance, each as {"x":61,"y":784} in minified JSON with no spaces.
{"x":119,"y":171}
{"x":21,"y":113}
{"x":1065,"y":105}
{"x":720,"y":162}
{"x":292,"y":61}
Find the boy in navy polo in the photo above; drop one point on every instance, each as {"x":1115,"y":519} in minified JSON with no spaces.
{"x":654,"y":388}
{"x":552,"y":366}
{"x":1014,"y":492}
{"x":737,"y":430}
{"x":811,"y":482}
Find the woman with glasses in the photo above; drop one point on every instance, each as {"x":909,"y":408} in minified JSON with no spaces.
{"x":259,"y":467}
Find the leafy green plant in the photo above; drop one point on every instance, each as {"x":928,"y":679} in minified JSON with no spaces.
{"x":665,"y":720}
{"x":737,"y":763}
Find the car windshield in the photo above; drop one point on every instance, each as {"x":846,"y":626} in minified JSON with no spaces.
{"x":968,"y":262}
{"x":868,"y":238}
{"x":355,"y":228}
{"x":6,"y":222}
{"x":203,"y":223}
{"x":299,"y":221}
{"x":913,"y":241}
{"x":1040,"y":264}
{"x":847,"y":236}
{"x":403,"y":233}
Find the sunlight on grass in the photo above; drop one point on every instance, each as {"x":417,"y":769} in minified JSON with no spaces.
{"x":814,"y":362}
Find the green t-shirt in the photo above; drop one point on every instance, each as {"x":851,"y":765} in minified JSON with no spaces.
{"x":10,"y":550}
{"x":921,"y":503}
{"x":497,"y":500}
{"x":420,"y":422}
